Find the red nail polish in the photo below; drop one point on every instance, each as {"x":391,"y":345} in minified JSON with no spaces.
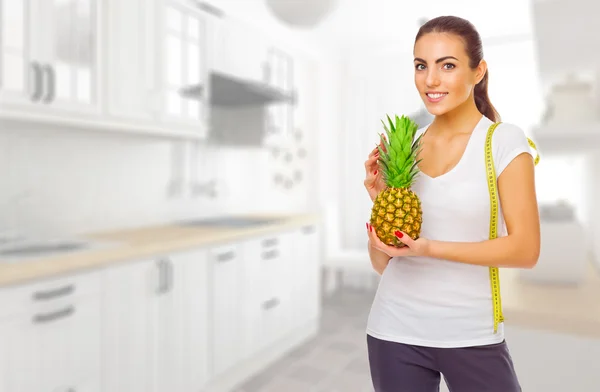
{"x":375,"y":172}
{"x":367,"y":226}
{"x":399,"y":234}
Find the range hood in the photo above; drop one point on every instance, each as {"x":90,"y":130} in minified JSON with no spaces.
{"x":231,"y":91}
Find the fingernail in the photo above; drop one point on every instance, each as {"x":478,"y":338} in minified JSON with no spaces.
{"x":398,"y":234}
{"x":375,"y":172}
{"x":367,"y":226}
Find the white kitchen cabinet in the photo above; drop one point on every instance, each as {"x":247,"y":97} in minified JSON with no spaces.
{"x":132,"y":85}
{"x":183,"y":67}
{"x":306,"y":270}
{"x":268,"y":277}
{"x":155,"y":324}
{"x":226,"y":307}
{"x":50,"y":334}
{"x":49,"y":55}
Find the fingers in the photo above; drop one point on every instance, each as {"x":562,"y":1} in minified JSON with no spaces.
{"x":404,"y":238}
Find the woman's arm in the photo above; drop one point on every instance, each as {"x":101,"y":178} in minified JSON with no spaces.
{"x":379,"y":260}
{"x":519,"y":249}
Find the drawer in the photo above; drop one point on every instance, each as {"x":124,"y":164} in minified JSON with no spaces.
{"x":48,"y":293}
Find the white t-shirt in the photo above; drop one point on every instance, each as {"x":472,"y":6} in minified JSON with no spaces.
{"x":440,"y":303}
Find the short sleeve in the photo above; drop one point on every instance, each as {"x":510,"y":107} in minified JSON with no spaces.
{"x":508,"y":142}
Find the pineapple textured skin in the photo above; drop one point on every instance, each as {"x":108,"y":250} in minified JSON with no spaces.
{"x":396,"y":209}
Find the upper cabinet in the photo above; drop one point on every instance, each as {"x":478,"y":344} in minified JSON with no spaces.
{"x":157,"y":68}
{"x":183,"y":78}
{"x":49,"y":55}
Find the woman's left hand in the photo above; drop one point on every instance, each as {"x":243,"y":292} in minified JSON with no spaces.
{"x":418,"y":247}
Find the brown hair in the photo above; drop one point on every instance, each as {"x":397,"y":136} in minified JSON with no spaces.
{"x":474,"y":48}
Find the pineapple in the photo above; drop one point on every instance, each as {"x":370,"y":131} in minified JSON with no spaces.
{"x":397,"y":207}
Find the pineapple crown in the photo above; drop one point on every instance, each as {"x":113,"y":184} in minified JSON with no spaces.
{"x":398,"y":154}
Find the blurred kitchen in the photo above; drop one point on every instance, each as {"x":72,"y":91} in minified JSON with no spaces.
{"x":181,"y":188}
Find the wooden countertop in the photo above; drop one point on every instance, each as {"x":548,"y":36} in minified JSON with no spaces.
{"x":140,"y":243}
{"x":573,"y":309}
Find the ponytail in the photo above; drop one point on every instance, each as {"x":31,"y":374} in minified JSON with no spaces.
{"x":482,"y":101}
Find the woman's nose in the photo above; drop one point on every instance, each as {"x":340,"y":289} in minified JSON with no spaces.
{"x":432,"y":78}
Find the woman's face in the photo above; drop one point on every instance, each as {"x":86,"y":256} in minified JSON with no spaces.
{"x":442,"y":73}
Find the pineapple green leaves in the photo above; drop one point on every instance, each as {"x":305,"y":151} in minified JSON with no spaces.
{"x":398,"y":154}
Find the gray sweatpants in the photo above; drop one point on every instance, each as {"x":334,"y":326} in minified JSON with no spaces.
{"x":397,"y":367}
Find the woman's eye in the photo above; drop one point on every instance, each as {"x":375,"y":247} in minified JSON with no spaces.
{"x":420,"y":67}
{"x":449,"y":66}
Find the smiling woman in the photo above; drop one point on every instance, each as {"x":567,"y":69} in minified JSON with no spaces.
{"x":437,"y":310}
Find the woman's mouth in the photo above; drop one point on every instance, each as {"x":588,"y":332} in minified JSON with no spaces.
{"x":435,"y":97}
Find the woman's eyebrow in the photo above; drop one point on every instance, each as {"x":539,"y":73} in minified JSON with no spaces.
{"x":436,"y":61}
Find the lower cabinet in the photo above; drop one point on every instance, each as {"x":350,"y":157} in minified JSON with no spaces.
{"x":173,"y":322}
{"x":154,"y":322}
{"x":50,"y":336}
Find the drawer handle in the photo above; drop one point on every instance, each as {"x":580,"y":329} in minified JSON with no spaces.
{"x":271,"y":303}
{"x":225,"y":256}
{"x":270,"y":254}
{"x":48,"y":317}
{"x":270,"y":242}
{"x":50,"y":294}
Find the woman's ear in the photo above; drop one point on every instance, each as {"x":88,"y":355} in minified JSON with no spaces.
{"x":480,"y":71}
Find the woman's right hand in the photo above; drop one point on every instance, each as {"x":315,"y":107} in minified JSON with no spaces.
{"x":374,"y":180}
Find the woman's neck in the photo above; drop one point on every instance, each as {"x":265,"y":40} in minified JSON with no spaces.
{"x":460,"y":120}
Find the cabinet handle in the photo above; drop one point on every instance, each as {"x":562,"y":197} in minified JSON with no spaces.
{"x":226,"y":256}
{"x":50,"y":294}
{"x":270,"y":242}
{"x":37,"y":84}
{"x":270,"y":254}
{"x":48,"y":317}
{"x":271,"y":303}
{"x":162,"y":277}
{"x":169,"y":269}
{"x":51,"y":83}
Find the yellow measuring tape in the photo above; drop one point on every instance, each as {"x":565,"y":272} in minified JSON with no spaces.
{"x":493,"y":190}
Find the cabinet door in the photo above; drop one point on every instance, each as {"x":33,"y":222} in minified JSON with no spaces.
{"x":227,"y":326}
{"x":69,"y":49}
{"x":182,"y":324}
{"x":20,"y":72}
{"x":184,"y":68}
{"x":20,"y":365}
{"x":131,"y":59}
{"x":129,"y":324}
{"x":306,"y":295}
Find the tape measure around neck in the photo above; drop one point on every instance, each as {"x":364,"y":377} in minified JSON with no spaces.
{"x":493,"y":191}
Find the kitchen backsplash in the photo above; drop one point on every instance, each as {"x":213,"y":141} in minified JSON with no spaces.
{"x":79,"y":181}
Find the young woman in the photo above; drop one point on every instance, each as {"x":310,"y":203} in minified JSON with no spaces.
{"x":433,"y":311}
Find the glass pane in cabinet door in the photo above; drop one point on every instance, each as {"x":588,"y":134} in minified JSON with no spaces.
{"x":12,"y":45}
{"x":193,"y":63}
{"x":63,"y":50}
{"x":86,"y":37}
{"x":174,"y":63}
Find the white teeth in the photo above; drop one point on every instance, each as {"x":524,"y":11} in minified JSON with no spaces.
{"x":436,"y":96}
